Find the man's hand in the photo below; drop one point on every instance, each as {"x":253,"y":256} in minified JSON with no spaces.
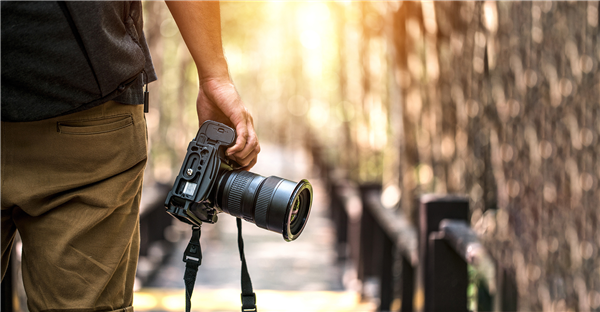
{"x":199,"y":23}
{"x":219,"y":101}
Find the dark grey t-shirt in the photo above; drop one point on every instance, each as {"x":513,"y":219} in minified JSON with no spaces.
{"x":63,"y":57}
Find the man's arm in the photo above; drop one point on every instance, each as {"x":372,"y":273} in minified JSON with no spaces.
{"x":199,"y":23}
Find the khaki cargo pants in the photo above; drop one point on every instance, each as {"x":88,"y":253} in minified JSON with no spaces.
{"x":71,"y":186}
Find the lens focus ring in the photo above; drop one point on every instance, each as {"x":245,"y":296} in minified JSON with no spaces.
{"x":234,"y":200}
{"x":263,"y":201}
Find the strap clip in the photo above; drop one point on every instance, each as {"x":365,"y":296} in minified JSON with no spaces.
{"x":193,"y":252}
{"x":146,"y":93}
{"x":249,"y":302}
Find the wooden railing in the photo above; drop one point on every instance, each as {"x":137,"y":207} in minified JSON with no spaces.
{"x":427,"y":266}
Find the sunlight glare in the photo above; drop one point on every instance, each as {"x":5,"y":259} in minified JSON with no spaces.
{"x":345,"y":2}
{"x":312,"y":17}
{"x":234,"y":56}
{"x":391,"y":196}
{"x":310,"y":39}
{"x":144,"y":301}
{"x":319,"y":112}
{"x":173,"y":303}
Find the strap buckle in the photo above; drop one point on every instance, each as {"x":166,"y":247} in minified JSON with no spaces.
{"x":249,"y":302}
{"x":193,"y":252}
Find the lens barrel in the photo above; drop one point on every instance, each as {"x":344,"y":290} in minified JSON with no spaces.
{"x":272,"y":203}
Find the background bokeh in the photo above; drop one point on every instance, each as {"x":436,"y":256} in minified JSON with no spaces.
{"x":298,"y":68}
{"x":496,"y":100}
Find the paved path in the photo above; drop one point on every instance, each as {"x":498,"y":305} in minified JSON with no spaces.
{"x":300,"y":270}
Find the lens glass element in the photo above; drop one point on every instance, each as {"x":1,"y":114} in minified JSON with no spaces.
{"x":295,"y":209}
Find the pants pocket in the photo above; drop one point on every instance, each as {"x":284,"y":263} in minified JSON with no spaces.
{"x":95,"y":126}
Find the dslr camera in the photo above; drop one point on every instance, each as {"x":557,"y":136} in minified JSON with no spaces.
{"x":209,"y":183}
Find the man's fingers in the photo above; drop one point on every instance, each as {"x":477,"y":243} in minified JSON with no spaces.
{"x":246,"y":156}
{"x":240,"y":142}
{"x":249,"y":161}
{"x":217,"y":100}
{"x":251,"y":164}
{"x":251,"y":145}
{"x":247,"y":141}
{"x":248,"y":153}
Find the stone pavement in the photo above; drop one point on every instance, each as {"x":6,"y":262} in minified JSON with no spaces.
{"x":300,"y":275}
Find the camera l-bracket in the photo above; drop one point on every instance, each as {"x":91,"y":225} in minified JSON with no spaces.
{"x":189,"y":199}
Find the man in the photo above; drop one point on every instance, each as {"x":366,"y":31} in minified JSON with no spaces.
{"x":74,"y":140}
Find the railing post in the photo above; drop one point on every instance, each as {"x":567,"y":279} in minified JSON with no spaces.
{"x":408,"y":286}
{"x":340,"y":219}
{"x":507,"y":292}
{"x":371,"y":234}
{"x":386,"y":287}
{"x":366,"y":247}
{"x":432,"y":210}
{"x":449,"y":276}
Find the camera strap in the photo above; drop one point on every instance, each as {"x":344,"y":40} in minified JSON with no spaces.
{"x":192,"y":258}
{"x":248,"y":296}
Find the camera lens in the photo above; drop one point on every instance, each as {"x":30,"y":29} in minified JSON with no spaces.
{"x":272,"y":203}
{"x":300,"y":208}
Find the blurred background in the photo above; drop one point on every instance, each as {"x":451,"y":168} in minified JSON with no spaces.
{"x":496,"y":101}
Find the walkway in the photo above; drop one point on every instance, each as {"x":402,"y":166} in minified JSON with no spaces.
{"x":297,"y":276}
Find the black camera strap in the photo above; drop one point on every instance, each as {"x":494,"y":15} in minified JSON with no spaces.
{"x":248,"y":296}
{"x":192,"y":258}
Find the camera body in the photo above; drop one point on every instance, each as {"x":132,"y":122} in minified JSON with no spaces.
{"x":190,"y":199}
{"x":209,"y":183}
